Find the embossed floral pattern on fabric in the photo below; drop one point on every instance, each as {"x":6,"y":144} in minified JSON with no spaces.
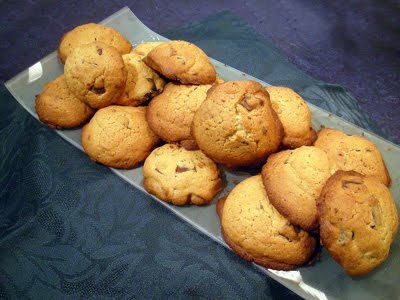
{"x":71,"y":228}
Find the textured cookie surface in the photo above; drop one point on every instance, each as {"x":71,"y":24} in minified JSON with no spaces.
{"x":358,"y":221}
{"x":254,"y":229}
{"x":144,"y":48}
{"x":96,"y":74}
{"x":293,"y":180}
{"x":58,"y":108}
{"x":295,"y":116}
{"x":142,"y":82}
{"x":180,"y":177}
{"x":118,"y":136}
{"x":352,"y":152}
{"x":236,"y":124}
{"x":89,"y":33}
{"x":181,"y":61}
{"x":170,"y":114}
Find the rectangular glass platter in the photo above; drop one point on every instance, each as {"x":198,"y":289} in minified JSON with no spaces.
{"x":323,"y":280}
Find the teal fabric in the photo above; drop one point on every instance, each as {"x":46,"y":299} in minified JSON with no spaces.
{"x":70,"y":228}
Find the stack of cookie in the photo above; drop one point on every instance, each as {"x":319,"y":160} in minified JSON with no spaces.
{"x":329,"y":186}
{"x":335,"y":191}
{"x":105,"y":80}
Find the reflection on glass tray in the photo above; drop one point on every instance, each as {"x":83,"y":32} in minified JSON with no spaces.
{"x":323,"y":280}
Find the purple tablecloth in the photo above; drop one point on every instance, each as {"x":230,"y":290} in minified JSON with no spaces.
{"x":319,"y":42}
{"x":351,"y":43}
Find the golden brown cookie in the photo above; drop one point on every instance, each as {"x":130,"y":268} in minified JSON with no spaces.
{"x":358,"y":221}
{"x":118,"y":136}
{"x":351,"y":152}
{"x":144,"y":48}
{"x":293,"y":180}
{"x":295,"y":116}
{"x":219,"y":80}
{"x":181,"y":61}
{"x":236,"y":124}
{"x":96,"y":74}
{"x":170,"y":114}
{"x":180,"y":177}
{"x":256,"y":231}
{"x":89,"y":33}
{"x":58,"y":108}
{"x":142,"y":82}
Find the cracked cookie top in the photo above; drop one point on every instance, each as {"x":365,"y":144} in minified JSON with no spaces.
{"x":96,"y":74}
{"x":170,"y":114}
{"x":89,"y":33}
{"x":358,"y":221}
{"x":254,"y":229}
{"x":236,"y":124}
{"x":295,"y":116}
{"x":180,"y":176}
{"x":293,"y":180}
{"x":181,"y":61}
{"x":142,"y":82}
{"x":57,"y":107}
{"x":352,"y":153}
{"x":118,"y":136}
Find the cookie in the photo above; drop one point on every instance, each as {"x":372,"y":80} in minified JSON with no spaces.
{"x":144,"y":48}
{"x":96,"y":74}
{"x":293,"y":180}
{"x":351,"y":152}
{"x":219,"y":80}
{"x":89,"y":33}
{"x":142,"y":82}
{"x":256,"y":231}
{"x":236,"y":124}
{"x":180,"y":177}
{"x":118,"y":136}
{"x":58,"y":108}
{"x":295,"y":116}
{"x":358,"y":221}
{"x":181,"y":61}
{"x":170,"y":114}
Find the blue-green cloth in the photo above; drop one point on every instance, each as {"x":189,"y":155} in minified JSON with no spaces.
{"x":71,"y":228}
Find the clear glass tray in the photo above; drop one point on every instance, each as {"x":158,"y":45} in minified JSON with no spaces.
{"x":324,"y":280}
